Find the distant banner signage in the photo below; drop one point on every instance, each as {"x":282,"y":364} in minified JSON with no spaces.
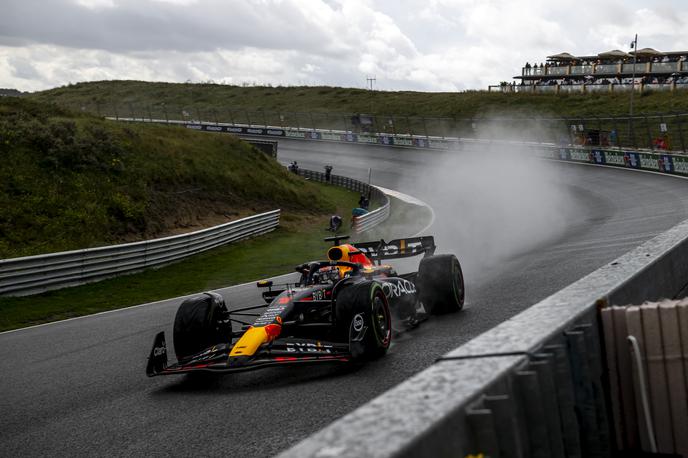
{"x":658,"y":162}
{"x":680,"y":165}
{"x":237,"y":130}
{"x":665,"y":163}
{"x":614,"y":158}
{"x":579,"y":155}
{"x":632,"y":160}
{"x":597,"y":156}
{"x":649,"y":161}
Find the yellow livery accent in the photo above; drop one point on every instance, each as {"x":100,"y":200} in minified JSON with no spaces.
{"x":252,"y":339}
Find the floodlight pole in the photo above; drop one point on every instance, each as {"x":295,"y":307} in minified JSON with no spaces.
{"x":634,"y":45}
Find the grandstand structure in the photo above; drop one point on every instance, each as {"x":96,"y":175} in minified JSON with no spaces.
{"x":609,"y":71}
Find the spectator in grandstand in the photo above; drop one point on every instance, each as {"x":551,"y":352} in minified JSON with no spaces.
{"x":527,"y":68}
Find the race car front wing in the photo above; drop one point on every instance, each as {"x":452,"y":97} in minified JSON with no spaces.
{"x":217,"y":358}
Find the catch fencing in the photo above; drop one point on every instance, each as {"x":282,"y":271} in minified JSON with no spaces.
{"x":667,"y":131}
{"x":34,"y":274}
{"x":364,"y":222}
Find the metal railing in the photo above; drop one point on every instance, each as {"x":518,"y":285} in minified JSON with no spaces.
{"x":370,"y":219}
{"x":34,"y":274}
{"x":585,"y":87}
{"x":620,"y":68}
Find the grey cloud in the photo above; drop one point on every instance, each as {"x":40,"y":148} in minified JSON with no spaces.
{"x":22,"y":68}
{"x":133,"y":26}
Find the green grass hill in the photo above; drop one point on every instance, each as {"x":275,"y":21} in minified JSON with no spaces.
{"x":218,"y":100}
{"x":71,"y":180}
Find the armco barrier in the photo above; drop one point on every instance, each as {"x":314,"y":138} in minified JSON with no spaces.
{"x":369,"y":220}
{"x":520,"y":389}
{"x":34,"y":274}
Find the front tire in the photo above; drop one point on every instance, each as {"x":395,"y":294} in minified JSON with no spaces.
{"x":363,"y":319}
{"x":440,"y":284}
{"x":201,"y":322}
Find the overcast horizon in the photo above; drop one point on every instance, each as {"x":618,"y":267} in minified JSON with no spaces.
{"x":433,"y":45}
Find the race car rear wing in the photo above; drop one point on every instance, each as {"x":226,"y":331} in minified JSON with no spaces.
{"x":398,"y":248}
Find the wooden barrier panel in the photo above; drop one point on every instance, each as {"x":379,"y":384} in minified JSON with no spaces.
{"x":661,"y":331}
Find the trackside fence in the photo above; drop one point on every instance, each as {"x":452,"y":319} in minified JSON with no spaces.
{"x":34,"y":274}
{"x":534,"y":386}
{"x":364,"y":222}
{"x":638,"y":131}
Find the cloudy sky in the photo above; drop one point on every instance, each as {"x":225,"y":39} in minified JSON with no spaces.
{"x":429,"y":45}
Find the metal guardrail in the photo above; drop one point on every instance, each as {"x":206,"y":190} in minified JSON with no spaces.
{"x":370,"y":219}
{"x":34,"y":274}
{"x":534,"y":386}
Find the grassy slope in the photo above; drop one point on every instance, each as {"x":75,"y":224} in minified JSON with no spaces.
{"x":72,"y":181}
{"x":271,"y":254}
{"x":137,"y":95}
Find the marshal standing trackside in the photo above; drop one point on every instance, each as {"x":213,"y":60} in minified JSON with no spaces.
{"x":346,"y":308}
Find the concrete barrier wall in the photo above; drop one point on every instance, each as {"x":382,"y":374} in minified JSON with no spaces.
{"x":535,"y":385}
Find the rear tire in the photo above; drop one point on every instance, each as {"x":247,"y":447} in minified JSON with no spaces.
{"x":364,"y":320}
{"x":440,"y":284}
{"x":201,"y":322}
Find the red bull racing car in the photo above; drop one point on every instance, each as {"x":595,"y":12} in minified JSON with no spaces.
{"x":341,"y":309}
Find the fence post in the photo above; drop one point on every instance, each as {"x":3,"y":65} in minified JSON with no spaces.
{"x":649,"y":134}
{"x":680,"y":133}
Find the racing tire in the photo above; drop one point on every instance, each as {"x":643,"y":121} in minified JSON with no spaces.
{"x":363,"y":319}
{"x":201,"y":322}
{"x":440,"y":284}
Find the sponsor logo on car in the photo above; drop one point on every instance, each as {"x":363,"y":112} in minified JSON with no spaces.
{"x":308,"y":347}
{"x":358,"y":322}
{"x":398,"y":288}
{"x":160,"y":351}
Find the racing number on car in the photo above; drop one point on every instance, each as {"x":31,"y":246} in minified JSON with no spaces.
{"x":319,"y":295}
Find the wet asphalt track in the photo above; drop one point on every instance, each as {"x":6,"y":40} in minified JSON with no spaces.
{"x":78,"y":387}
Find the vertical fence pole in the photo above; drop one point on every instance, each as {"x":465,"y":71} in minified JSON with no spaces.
{"x":649,"y":134}
{"x":248,"y":118}
{"x":680,"y":133}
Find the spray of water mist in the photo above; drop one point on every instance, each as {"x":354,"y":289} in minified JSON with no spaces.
{"x":495,"y":201}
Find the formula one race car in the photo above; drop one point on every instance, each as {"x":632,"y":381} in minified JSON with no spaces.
{"x":343,"y":309}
